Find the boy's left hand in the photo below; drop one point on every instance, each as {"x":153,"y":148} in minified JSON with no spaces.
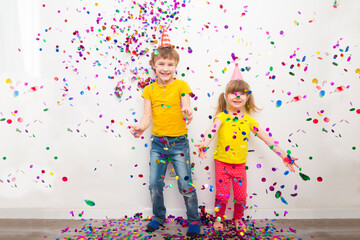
{"x":187,"y":113}
{"x":290,"y":163}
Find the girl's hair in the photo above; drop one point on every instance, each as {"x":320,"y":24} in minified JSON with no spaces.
{"x":166,"y":53}
{"x":237,"y":86}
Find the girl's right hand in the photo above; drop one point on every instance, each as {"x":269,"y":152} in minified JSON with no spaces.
{"x":201,"y":149}
{"x":136,"y":130}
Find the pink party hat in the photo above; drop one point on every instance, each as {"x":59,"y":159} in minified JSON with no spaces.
{"x":165,"y":39}
{"x":237,"y":74}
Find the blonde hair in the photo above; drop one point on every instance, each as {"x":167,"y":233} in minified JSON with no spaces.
{"x":166,"y":53}
{"x":237,"y":86}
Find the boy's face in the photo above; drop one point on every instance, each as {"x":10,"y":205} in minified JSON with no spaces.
{"x":165,"y":69}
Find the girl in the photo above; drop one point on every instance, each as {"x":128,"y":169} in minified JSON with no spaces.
{"x":233,"y":125}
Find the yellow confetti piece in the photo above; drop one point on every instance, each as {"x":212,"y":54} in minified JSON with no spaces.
{"x":8,"y":80}
{"x":315,"y":81}
{"x":165,"y":148}
{"x":357,"y":70}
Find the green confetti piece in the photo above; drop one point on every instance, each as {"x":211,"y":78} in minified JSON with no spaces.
{"x":335,"y":64}
{"x":183,"y":94}
{"x":47,"y":148}
{"x":304,"y":176}
{"x":46,"y":109}
{"x":56,"y":158}
{"x":246,"y":167}
{"x":352,"y":109}
{"x":309,"y":119}
{"x":90,"y":203}
{"x":288,"y":152}
{"x":353,"y":148}
{"x":292,"y":74}
{"x":4,"y":158}
{"x":278,"y":194}
{"x":311,"y":158}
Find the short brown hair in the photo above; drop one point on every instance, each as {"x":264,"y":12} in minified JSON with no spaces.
{"x":166,"y":53}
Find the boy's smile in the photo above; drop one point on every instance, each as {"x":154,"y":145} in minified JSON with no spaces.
{"x":165,"y":69}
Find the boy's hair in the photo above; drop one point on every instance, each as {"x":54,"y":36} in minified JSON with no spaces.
{"x":237,"y":86}
{"x":166,"y":53}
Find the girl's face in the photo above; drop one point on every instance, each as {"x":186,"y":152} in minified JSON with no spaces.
{"x":165,"y":69}
{"x":236,"y":100}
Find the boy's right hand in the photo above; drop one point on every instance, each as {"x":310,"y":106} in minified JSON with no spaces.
{"x":136,"y":130}
{"x":201,"y":149}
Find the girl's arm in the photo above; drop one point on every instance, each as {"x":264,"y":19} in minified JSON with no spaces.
{"x":138,"y":130}
{"x":288,"y":161}
{"x":186,"y":108}
{"x":208,"y":137}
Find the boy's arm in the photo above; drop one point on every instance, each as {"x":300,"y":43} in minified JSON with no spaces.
{"x":208,"y":137}
{"x":138,"y":130}
{"x":276,"y":148}
{"x":186,"y":108}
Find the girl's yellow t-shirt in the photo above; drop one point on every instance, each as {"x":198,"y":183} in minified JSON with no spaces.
{"x":233,"y":137}
{"x":165,"y":100}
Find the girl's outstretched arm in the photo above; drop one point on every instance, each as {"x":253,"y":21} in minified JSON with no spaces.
{"x":273,"y":144}
{"x":208,"y":137}
{"x":138,"y":130}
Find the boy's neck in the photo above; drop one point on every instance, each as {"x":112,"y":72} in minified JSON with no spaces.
{"x":162,"y":83}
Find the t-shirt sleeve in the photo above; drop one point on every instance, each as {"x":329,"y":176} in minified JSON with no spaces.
{"x":184,"y":87}
{"x":146,"y":92}
{"x":253,"y":123}
{"x":222,"y":116}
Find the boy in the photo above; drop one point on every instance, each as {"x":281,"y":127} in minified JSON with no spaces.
{"x":167,"y":105}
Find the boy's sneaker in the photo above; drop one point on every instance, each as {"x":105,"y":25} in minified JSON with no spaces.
{"x":152,"y":226}
{"x":193,"y":230}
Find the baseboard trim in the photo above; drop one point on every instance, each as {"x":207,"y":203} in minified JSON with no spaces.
{"x":95,"y":213}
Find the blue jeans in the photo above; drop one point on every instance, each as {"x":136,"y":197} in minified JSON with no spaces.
{"x":175,"y":150}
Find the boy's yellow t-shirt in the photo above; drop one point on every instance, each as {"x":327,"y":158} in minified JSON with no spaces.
{"x":233,"y":137}
{"x":167,"y":117}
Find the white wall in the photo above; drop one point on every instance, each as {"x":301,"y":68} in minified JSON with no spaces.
{"x":116,"y":155}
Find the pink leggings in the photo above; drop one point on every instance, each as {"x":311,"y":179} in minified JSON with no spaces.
{"x":224,"y":174}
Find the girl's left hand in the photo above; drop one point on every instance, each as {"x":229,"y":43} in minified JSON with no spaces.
{"x":290,"y":163}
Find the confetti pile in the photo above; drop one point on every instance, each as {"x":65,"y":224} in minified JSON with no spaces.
{"x":135,"y":228}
